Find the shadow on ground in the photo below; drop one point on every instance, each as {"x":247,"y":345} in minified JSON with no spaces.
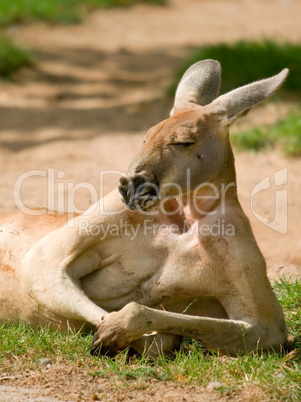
{"x":90,"y":90}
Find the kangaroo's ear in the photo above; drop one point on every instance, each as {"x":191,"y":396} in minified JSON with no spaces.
{"x":199,"y":85}
{"x":226,"y":108}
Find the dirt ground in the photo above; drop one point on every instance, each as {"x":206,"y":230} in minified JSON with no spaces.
{"x":98,"y":86}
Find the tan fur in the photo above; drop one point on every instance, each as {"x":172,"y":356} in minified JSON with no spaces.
{"x":211,"y":288}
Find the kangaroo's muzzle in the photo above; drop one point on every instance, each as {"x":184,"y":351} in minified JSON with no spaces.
{"x":139,"y":192}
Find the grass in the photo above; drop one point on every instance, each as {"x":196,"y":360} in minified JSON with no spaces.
{"x":243,"y":62}
{"x":55,"y":11}
{"x":285,"y":135}
{"x":12,"y":57}
{"x":276,"y":375}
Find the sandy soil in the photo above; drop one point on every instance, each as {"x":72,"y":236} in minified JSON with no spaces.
{"x":98,"y":86}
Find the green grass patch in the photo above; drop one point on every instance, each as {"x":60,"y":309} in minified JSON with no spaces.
{"x":245,"y":62}
{"x":285,"y":135}
{"x":12,"y":57}
{"x":55,"y":11}
{"x":276,"y":375}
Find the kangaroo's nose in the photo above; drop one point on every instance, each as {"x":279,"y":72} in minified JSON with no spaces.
{"x":138,"y":191}
{"x":128,"y":187}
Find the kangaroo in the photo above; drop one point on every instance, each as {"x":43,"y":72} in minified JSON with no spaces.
{"x":170,"y":253}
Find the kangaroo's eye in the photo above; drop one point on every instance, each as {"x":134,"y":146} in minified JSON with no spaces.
{"x":182,"y":144}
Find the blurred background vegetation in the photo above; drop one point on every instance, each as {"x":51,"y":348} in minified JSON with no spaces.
{"x":56,"y":11}
{"x":14,"y":56}
{"x":243,"y":62}
{"x":286,"y":135}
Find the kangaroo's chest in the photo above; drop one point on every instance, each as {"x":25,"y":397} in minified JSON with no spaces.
{"x":156,"y":265}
